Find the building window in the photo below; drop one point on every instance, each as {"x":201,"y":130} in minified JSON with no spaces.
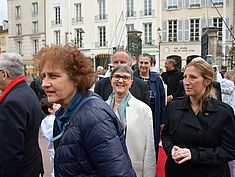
{"x":78,"y":12}
{"x":18,"y":29}
{"x":130,"y":27}
{"x":19,"y":47}
{"x":148,"y":33}
{"x":34,"y":8}
{"x":194,"y":30}
{"x":102,"y":36}
{"x":57,"y":37}
{"x":218,"y":23}
{"x":194,"y":3}
{"x":78,"y":37}
{"x":172,"y":4}
{"x":35,"y":46}
{"x":101,"y":9}
{"x":172,"y":30}
{"x":57,"y":15}
{"x":35,"y":27}
{"x":18,"y":12}
{"x":130,"y":8}
{"x":148,"y":7}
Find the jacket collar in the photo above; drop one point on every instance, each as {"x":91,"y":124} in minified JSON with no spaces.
{"x":209,"y":106}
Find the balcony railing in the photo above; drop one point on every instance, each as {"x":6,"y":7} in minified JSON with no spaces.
{"x":101,"y":17}
{"x":103,"y":44}
{"x":194,"y":5}
{"x":35,"y":31}
{"x":149,"y":43}
{"x":80,"y":45}
{"x":18,"y":16}
{"x":18,"y":32}
{"x":218,"y":3}
{"x":56,"y":22}
{"x":77,"y":20}
{"x":131,"y":13}
{"x":172,"y":7}
{"x":34,"y":13}
{"x":147,"y":13}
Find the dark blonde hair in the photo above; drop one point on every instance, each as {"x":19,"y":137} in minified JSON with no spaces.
{"x":71,"y":60}
{"x":230,"y":75}
{"x":206,"y":72}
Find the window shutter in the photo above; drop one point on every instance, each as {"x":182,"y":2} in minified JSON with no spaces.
{"x":227,"y":30}
{"x":164,"y":31}
{"x":203,"y":3}
{"x":186,"y":3}
{"x":180,"y":4}
{"x":180,"y":30}
{"x":210,"y":22}
{"x":164,"y":4}
{"x":186,"y":30}
{"x":203,"y":23}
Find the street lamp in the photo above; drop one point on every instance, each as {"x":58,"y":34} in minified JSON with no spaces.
{"x":159,"y":31}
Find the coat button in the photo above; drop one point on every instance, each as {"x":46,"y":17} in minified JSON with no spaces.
{"x":201,"y":132}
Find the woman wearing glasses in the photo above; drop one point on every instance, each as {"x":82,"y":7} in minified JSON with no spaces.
{"x":136,"y":119}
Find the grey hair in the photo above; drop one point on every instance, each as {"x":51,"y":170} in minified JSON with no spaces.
{"x":123,"y":68}
{"x":12,"y":63}
{"x":172,"y":61}
{"x":130,"y":58}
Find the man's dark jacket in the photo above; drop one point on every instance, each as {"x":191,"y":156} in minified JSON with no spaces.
{"x":171,"y":79}
{"x":139,"y":89}
{"x":20,"y":118}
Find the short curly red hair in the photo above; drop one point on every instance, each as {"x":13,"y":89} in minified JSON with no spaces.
{"x":71,"y":60}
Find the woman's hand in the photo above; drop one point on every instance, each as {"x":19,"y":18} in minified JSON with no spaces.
{"x":180,"y":155}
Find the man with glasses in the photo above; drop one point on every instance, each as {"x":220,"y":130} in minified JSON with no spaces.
{"x":20,"y":117}
{"x":139,"y":88}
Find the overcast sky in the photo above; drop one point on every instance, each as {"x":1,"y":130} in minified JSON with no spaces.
{"x":3,"y":10}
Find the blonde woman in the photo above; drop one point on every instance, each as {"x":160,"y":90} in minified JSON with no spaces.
{"x":199,"y":136}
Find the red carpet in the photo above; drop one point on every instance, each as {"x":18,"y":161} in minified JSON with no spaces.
{"x":161,"y":162}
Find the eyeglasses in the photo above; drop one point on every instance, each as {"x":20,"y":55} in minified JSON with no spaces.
{"x":117,"y":77}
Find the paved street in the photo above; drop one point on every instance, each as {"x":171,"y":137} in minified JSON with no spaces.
{"x":46,"y":161}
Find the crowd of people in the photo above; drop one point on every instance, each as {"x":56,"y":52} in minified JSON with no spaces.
{"x":111,"y":124}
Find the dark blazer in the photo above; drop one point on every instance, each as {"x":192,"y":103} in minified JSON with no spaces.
{"x":210,"y":136}
{"x":171,"y":79}
{"x":159,"y":111}
{"x":139,"y":89}
{"x":20,"y":117}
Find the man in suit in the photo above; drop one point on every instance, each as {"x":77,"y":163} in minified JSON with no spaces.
{"x":20,"y":117}
{"x":139,"y":88}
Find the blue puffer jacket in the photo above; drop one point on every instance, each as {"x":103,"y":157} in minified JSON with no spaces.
{"x":93,"y":145}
